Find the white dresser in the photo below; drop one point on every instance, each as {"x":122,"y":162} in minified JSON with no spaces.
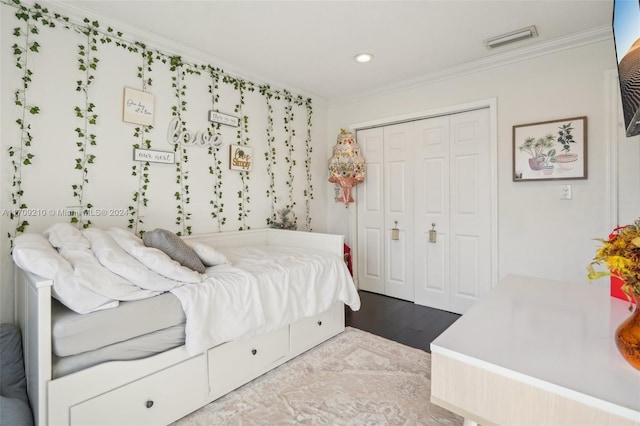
{"x":537,"y":351}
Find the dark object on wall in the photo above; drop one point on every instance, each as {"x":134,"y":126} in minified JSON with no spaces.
{"x":14,"y":402}
{"x":347,"y":258}
{"x":626,"y":31}
{"x":287,"y":219}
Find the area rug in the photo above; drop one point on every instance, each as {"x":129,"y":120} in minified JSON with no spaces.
{"x":355,"y":378}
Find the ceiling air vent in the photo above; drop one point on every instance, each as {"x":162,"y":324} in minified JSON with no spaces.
{"x":512,"y":37}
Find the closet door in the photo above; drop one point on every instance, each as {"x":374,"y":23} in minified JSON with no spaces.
{"x":470,"y":206}
{"x":432,"y":212}
{"x":453,"y":191}
{"x":370,"y":259}
{"x":385,"y":201}
{"x":398,"y":203}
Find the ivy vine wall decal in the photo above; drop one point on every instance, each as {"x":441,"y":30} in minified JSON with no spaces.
{"x":141,"y":171}
{"x":290,"y":133}
{"x":243,"y":140}
{"x":96,"y":161}
{"x":87,"y":64}
{"x":308,"y":192}
{"x":217,"y":206}
{"x":20,"y":154}
{"x":270,"y":153}
{"x":182,"y":196}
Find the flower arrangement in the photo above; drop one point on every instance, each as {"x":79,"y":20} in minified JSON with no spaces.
{"x":621,"y":255}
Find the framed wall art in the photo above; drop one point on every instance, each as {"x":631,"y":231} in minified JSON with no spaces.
{"x":226,"y":119}
{"x":547,"y":150}
{"x":137,"y":107}
{"x":154,"y":156}
{"x":240,"y":157}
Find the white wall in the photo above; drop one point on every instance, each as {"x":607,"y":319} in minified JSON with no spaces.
{"x":48,"y":181}
{"x":539,"y":234}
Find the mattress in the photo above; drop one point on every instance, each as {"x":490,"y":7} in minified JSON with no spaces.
{"x":73,"y":333}
{"x":135,"y":348}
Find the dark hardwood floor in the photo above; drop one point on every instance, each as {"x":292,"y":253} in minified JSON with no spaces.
{"x":399,"y":320}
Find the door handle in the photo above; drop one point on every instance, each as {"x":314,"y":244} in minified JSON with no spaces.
{"x":433,"y":234}
{"x":395,"y":232}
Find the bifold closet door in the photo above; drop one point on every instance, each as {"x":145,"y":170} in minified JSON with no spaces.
{"x":453,"y":191}
{"x":370,"y":205}
{"x":385,"y":202}
{"x":432,"y":212}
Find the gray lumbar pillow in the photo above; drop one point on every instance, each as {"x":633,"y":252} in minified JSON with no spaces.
{"x":174,"y":247}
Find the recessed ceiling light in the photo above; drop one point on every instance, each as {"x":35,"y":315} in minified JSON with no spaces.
{"x":363,"y":57}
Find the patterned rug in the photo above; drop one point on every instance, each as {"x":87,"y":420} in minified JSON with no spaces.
{"x":355,"y":378}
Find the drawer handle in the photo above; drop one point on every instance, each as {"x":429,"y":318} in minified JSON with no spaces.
{"x":149,"y":404}
{"x":320,"y":323}
{"x":254,"y":351}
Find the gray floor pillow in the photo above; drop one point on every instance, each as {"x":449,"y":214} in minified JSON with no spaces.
{"x":14,"y":402}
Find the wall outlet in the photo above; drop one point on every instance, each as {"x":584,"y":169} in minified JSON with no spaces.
{"x":565,"y":192}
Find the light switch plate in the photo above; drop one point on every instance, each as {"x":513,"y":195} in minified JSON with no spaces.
{"x":565,"y":192}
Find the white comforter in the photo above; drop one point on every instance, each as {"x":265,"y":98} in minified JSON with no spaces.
{"x":262,"y":289}
{"x":267,"y":288}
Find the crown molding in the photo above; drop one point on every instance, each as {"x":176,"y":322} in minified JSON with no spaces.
{"x":168,"y":46}
{"x":526,"y":53}
{"x":189,"y":54}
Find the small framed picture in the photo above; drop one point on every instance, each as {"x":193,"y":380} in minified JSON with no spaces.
{"x":137,"y":107}
{"x":226,"y":119}
{"x":154,"y":156}
{"x":547,"y":150}
{"x":240,"y":157}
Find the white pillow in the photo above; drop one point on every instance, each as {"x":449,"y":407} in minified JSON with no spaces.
{"x":207,"y":254}
{"x":114,"y":258}
{"x":152,"y":258}
{"x":87,"y":270}
{"x":65,"y":234}
{"x":33,"y":253}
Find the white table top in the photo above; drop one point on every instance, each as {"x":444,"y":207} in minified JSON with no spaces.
{"x":554,"y":335}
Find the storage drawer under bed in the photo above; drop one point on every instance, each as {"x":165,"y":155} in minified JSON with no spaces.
{"x":236,"y":363}
{"x":308,"y":332}
{"x":160,"y":398}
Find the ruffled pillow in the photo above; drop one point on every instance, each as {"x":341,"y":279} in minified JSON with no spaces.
{"x":152,"y":258}
{"x":87,"y":270}
{"x":114,"y":258}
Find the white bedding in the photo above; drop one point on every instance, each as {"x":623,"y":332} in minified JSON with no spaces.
{"x":262,"y":289}
{"x":113,"y":257}
{"x":266,"y":288}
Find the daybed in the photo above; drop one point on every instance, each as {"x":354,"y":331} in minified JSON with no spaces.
{"x":231,"y":332}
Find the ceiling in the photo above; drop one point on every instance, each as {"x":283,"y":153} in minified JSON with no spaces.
{"x":309,"y":45}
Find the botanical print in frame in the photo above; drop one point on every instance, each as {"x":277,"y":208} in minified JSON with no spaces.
{"x":549,"y":150}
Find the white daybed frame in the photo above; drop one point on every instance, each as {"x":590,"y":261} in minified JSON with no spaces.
{"x":165,"y":387}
